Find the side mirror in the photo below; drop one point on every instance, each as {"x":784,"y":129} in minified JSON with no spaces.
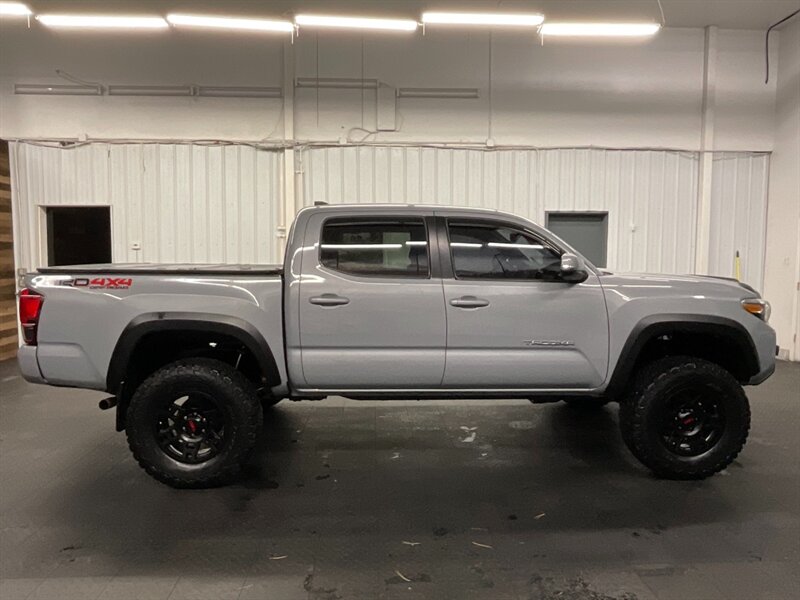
{"x":573,"y":269}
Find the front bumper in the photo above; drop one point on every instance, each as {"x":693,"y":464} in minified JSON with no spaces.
{"x":29,"y":364}
{"x":764,"y":340}
{"x":762,"y":376}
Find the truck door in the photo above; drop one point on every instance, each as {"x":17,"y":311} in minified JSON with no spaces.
{"x":511,"y":322}
{"x":371,"y":309}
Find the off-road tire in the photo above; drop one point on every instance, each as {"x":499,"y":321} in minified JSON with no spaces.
{"x":238,"y":401}
{"x":642,"y":408}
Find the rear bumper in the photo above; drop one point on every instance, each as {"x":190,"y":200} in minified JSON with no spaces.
{"x":29,"y":364}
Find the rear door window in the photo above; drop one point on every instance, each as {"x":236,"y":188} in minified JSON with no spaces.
{"x":383,"y":247}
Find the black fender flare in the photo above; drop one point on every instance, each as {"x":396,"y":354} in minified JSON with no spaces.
{"x":160,"y":322}
{"x":728,"y":331}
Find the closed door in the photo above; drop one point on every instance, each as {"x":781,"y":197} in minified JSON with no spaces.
{"x":371,"y":310}
{"x":511,"y":322}
{"x":586,"y":232}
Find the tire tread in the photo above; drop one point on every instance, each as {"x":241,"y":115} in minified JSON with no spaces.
{"x":243,"y":392}
{"x":634,"y":406}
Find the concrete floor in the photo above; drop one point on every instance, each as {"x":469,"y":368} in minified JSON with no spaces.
{"x":396,"y":500}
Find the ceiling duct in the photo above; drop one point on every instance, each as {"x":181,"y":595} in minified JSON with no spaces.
{"x":150,"y":90}
{"x":44,"y":89}
{"x":343,"y":83}
{"x":212,"y":91}
{"x":444,"y":93}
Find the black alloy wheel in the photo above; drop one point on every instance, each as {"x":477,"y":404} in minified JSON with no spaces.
{"x":191,"y":428}
{"x":693,"y":421}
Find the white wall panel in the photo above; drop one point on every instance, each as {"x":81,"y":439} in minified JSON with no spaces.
{"x":738,"y":215}
{"x":638,"y":93}
{"x":196,"y":203}
{"x":180,"y":202}
{"x":782,"y":259}
{"x":650,"y":195}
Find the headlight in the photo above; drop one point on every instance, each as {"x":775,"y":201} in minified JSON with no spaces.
{"x":757,"y":307}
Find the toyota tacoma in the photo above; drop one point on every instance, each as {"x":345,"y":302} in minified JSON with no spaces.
{"x":398,"y":302}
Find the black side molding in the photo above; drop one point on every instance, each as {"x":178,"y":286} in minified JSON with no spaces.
{"x":732,"y":334}
{"x":147,"y":323}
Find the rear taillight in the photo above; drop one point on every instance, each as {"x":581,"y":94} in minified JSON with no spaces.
{"x":30,"y":308}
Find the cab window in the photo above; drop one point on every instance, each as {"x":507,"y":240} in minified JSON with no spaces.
{"x":480,"y":250}
{"x":375,"y":247}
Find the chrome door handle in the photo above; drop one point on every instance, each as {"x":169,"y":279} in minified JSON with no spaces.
{"x":469,"y":302}
{"x":329,"y":300}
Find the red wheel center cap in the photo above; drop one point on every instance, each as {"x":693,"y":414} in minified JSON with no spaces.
{"x":688,"y":420}
{"x":192,"y":425}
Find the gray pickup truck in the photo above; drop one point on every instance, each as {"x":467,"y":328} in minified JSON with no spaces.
{"x":399,"y":302}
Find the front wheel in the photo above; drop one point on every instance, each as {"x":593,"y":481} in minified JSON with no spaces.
{"x":685,"y":418}
{"x":193,"y":423}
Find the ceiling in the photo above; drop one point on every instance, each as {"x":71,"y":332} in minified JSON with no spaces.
{"x":728,"y":14}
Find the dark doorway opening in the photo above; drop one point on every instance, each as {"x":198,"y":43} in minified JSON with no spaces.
{"x":78,"y":235}
{"x":587,"y":232}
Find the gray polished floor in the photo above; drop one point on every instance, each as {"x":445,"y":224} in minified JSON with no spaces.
{"x":396,"y":500}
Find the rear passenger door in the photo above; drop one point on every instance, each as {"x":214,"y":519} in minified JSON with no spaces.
{"x":512,"y":322}
{"x":371,"y":305}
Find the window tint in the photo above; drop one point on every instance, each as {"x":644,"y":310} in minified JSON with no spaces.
{"x":480,"y":250}
{"x":387,"y":247}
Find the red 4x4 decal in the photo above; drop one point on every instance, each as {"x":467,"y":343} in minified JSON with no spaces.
{"x":100,"y":283}
{"x":111,"y":282}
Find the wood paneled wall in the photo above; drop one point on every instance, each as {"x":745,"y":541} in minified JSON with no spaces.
{"x":8,"y":312}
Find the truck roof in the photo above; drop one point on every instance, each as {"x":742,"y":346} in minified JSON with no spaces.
{"x":388,"y":207}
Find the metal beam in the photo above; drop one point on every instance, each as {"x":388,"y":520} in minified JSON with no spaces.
{"x":705,"y":175}
{"x":289,"y":204}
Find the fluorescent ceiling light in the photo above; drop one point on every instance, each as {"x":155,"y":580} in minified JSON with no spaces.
{"x":43,"y":89}
{"x":239,"y":91}
{"x":519,"y":246}
{"x":361,"y":246}
{"x":600,"y":29}
{"x":14,"y":9}
{"x":482,"y":19}
{"x":231,"y":23}
{"x":102,"y":21}
{"x":469,"y":93}
{"x":355,"y":23}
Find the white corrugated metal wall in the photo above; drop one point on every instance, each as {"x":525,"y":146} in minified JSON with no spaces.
{"x":739,"y":190}
{"x":199,"y":203}
{"x":180,"y":202}
{"x":650,"y":195}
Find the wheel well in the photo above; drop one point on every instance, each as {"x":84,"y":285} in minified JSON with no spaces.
{"x":714,"y":349}
{"x":726,"y":345}
{"x":143,"y":351}
{"x":156,"y":349}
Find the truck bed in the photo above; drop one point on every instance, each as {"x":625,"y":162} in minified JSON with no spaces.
{"x":89,"y":308}
{"x":166,"y":269}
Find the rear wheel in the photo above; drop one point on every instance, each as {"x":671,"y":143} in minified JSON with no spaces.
{"x":193,"y":423}
{"x":685,"y":418}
